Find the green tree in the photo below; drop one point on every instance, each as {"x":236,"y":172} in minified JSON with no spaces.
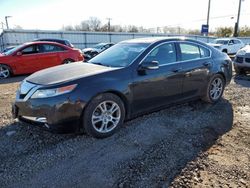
{"x":224,"y":31}
{"x":244,"y":31}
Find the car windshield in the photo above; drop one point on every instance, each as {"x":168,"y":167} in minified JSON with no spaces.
{"x":221,"y":42}
{"x":119,"y":55}
{"x":9,"y":52}
{"x":98,"y":46}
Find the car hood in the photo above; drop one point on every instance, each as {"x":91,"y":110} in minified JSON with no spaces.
{"x":68,"y":72}
{"x":214,"y":45}
{"x":89,"y":49}
{"x":246,"y":49}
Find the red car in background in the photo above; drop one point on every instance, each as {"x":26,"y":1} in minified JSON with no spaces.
{"x":34,"y":56}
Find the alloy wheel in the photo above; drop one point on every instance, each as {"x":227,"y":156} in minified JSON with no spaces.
{"x":4,"y":72}
{"x":106,"y":116}
{"x":216,"y":88}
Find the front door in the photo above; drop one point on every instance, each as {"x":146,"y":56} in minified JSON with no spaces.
{"x":26,"y":60}
{"x":157,"y":87}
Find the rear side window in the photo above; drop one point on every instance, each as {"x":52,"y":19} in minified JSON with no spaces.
{"x":192,"y":51}
{"x":50,"y":48}
{"x":204,"y":52}
{"x":236,"y":42}
{"x":189,"y":52}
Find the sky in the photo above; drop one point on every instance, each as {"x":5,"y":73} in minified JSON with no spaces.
{"x":189,"y":14}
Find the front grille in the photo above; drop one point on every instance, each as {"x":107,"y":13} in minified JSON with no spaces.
{"x":239,"y":59}
{"x":247,"y":60}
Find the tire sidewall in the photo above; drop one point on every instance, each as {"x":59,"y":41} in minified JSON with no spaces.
{"x":210,"y":85}
{"x":7,"y":67}
{"x":87,"y":117}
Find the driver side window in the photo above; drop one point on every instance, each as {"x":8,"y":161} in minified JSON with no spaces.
{"x":164,"y":54}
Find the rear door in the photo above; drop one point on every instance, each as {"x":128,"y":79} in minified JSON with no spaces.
{"x":196,"y":63}
{"x":49,"y":55}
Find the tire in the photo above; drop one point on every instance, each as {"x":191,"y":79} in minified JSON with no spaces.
{"x":5,"y":71}
{"x":98,"y":120}
{"x":214,"y":89}
{"x":68,"y":61}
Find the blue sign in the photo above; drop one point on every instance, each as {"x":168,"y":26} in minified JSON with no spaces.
{"x":204,"y":29}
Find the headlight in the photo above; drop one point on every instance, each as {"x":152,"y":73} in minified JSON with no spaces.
{"x":44,"y":93}
{"x":241,"y":52}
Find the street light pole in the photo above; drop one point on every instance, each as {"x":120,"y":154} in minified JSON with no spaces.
{"x":236,"y":28}
{"x":208,"y":15}
{"x":6,"y":20}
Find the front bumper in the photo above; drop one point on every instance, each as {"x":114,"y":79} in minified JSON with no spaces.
{"x":242,"y":61}
{"x":61,"y":114}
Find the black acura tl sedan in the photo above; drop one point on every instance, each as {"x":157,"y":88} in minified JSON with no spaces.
{"x":131,"y":78}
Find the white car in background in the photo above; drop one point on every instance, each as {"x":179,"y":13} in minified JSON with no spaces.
{"x":242,"y":60}
{"x":228,"y":45}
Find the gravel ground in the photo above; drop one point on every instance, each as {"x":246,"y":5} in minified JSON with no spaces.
{"x":190,"y":145}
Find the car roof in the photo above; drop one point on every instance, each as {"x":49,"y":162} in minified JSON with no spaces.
{"x":50,"y":39}
{"x":45,"y":42}
{"x":157,"y":39}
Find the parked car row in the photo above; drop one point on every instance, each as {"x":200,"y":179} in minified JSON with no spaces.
{"x":233,"y":46}
{"x":43,"y":53}
{"x":131,"y":78}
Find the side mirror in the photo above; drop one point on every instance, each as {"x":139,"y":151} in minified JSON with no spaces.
{"x":19,"y":53}
{"x":153,"y":65}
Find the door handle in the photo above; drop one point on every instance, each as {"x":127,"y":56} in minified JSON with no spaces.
{"x":177,"y":70}
{"x":206,"y":64}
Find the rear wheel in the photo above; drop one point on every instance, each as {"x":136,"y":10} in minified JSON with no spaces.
{"x":103,"y":115}
{"x":68,"y":61}
{"x":215,"y":89}
{"x":4,"y":71}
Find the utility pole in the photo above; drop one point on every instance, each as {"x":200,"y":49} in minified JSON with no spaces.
{"x":2,"y":25}
{"x":208,"y":15}
{"x":6,"y":20}
{"x":109,"y":19}
{"x":236,"y":27}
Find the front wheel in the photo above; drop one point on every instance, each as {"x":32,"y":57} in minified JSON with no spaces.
{"x":214,"y":89}
{"x":103,"y":115}
{"x":4,"y":71}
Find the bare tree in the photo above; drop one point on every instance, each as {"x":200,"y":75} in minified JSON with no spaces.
{"x":17,"y":27}
{"x":68,"y":28}
{"x":94,"y":24}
